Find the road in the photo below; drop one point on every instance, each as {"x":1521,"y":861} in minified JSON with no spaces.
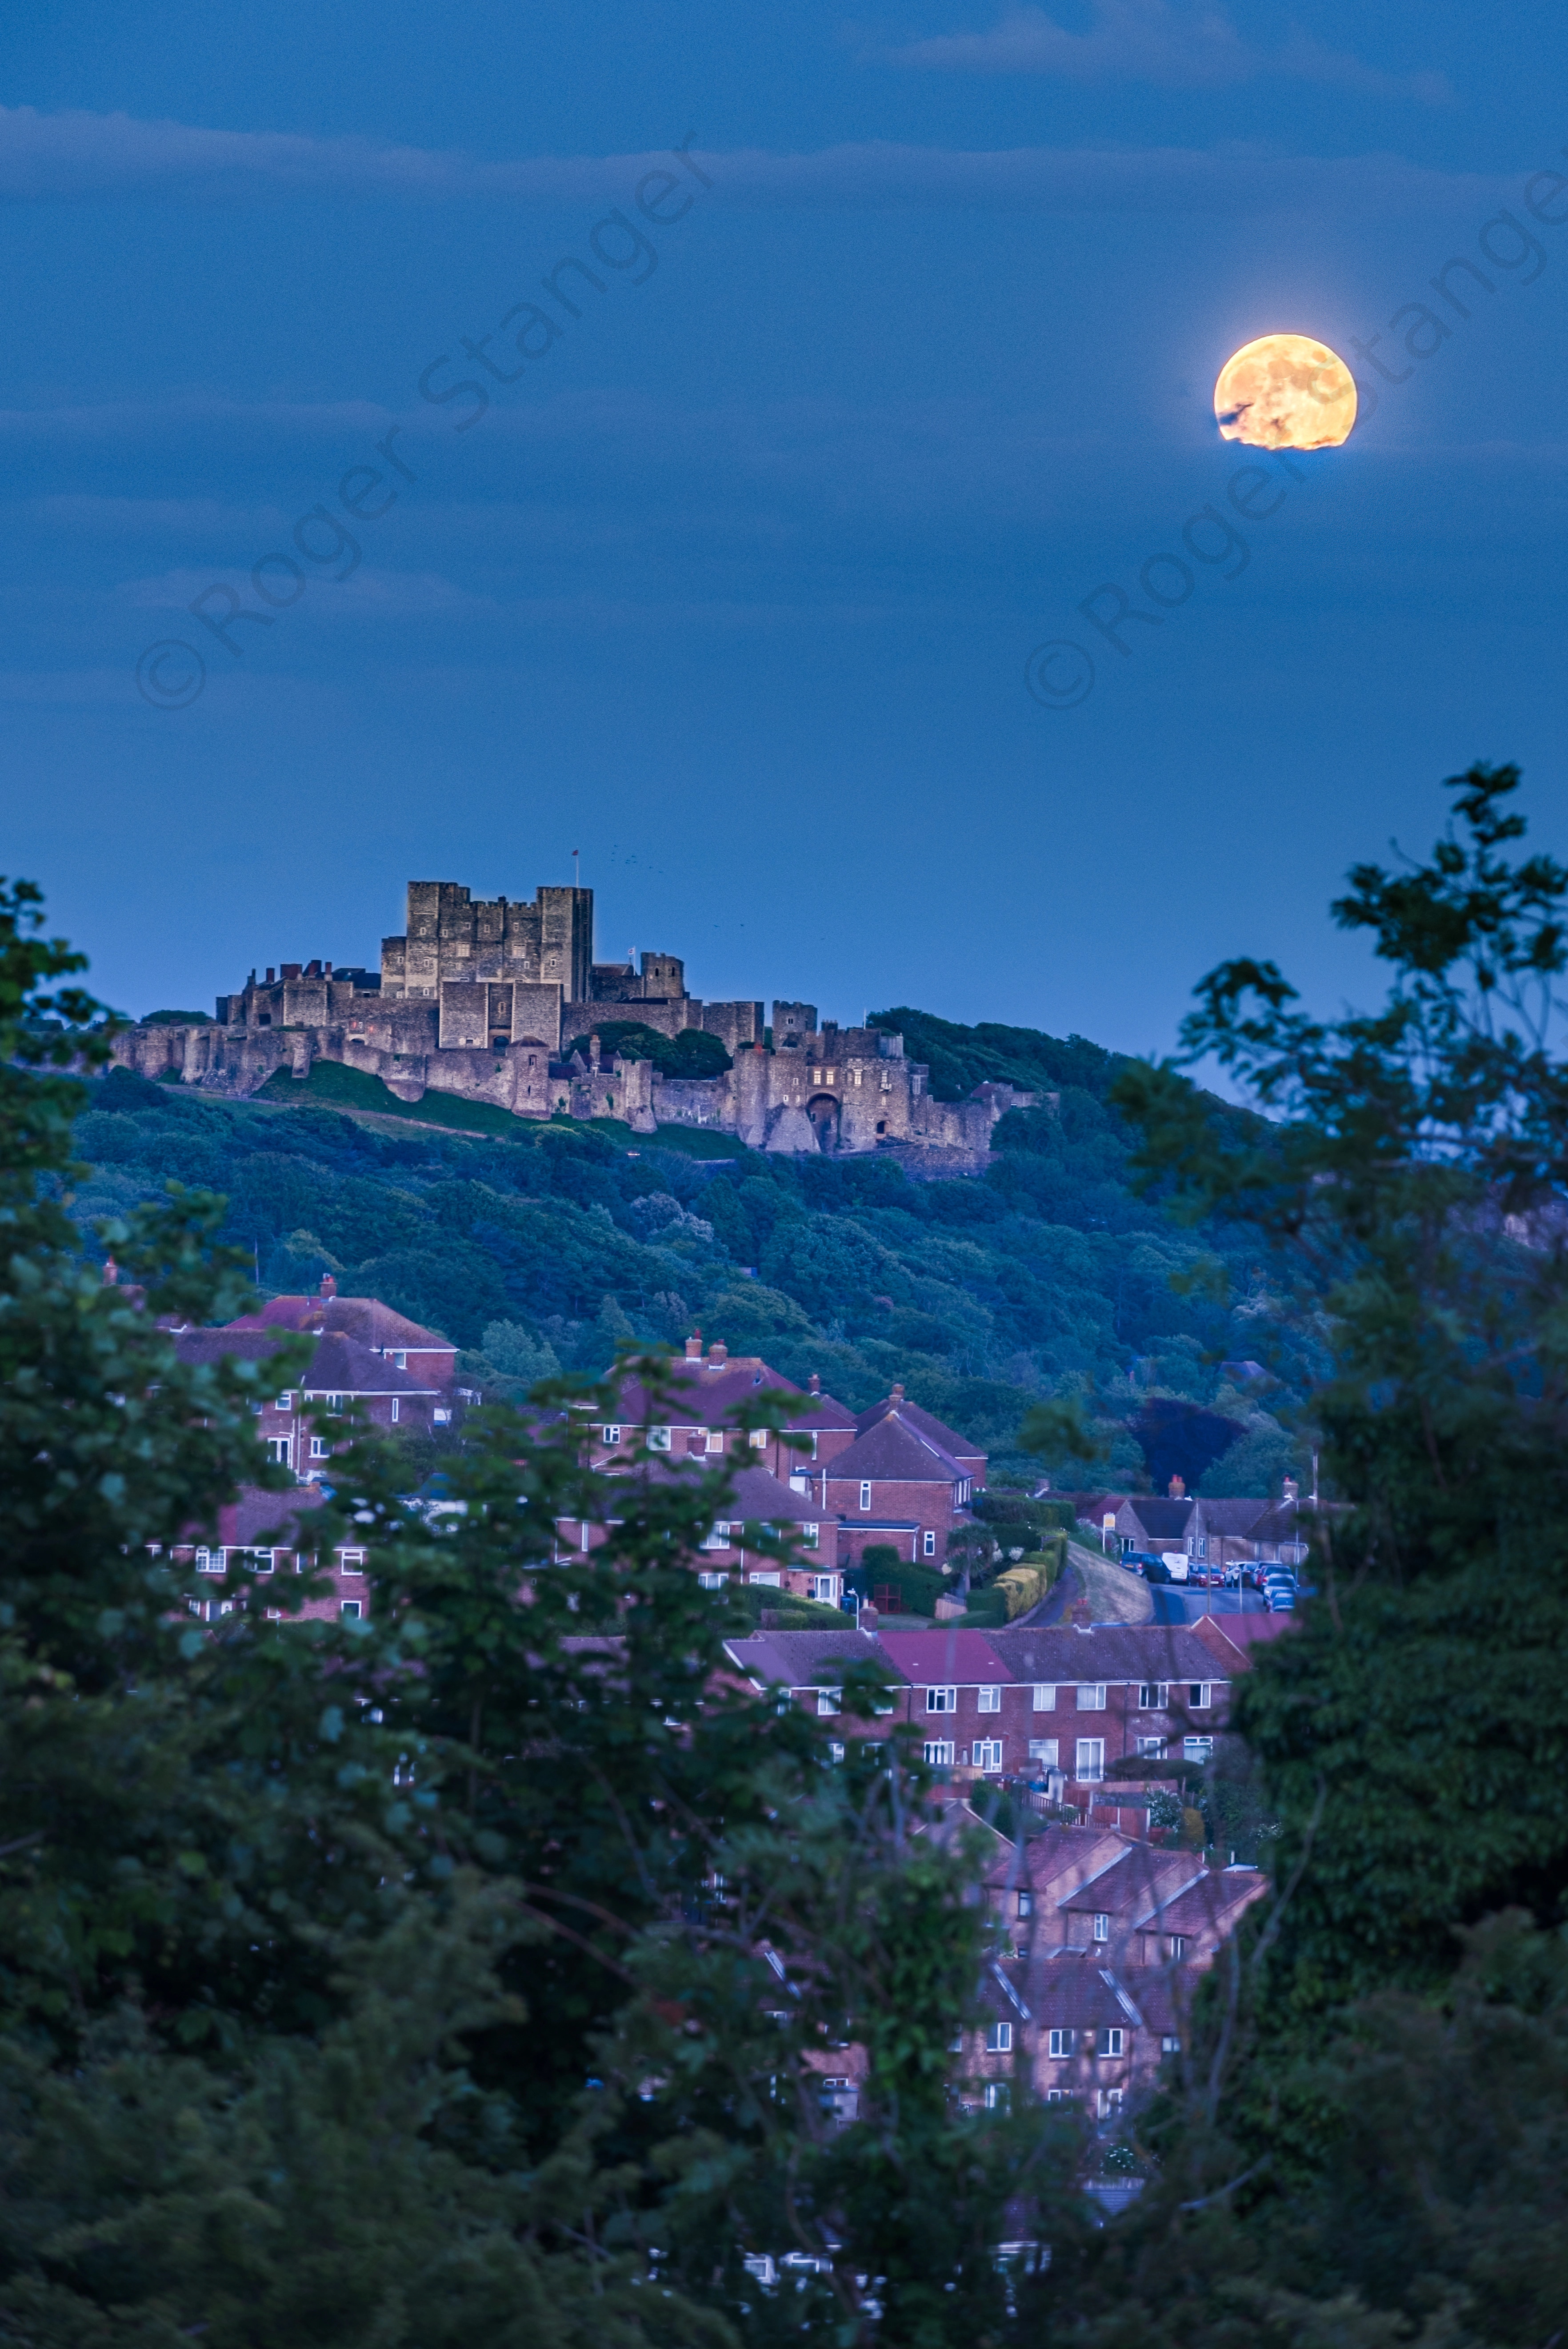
{"x":1174,"y":1605}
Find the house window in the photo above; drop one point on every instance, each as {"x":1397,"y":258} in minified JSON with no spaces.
{"x":394,"y":1401}
{"x":770,"y":1579}
{"x":1112,"y":2042}
{"x":284,"y":1402}
{"x":928,"y":1544}
{"x":401,"y":1361}
{"x":1151,"y":1749}
{"x":990,"y":1700}
{"x":1060,"y":2043}
{"x":1091,"y":1696}
{"x":1196,"y":1749}
{"x":1047,"y":1749}
{"x":318,"y":1447}
{"x":1026,"y":1904}
{"x":1101,"y":1926}
{"x":1059,"y":2097}
{"x":278,"y":1449}
{"x":333,"y":1406}
{"x":352,"y":1610}
{"x":988,"y":1754}
{"x":998,"y":2096}
{"x":808,"y":1536}
{"x":209,"y":1561}
{"x":441,"y":1418}
{"x":1089,"y":1767}
{"x":1169,"y":2044}
{"x":1177,"y":1947}
{"x":999,"y":2039}
{"x":1109,"y":2102}
{"x":658,"y":1439}
{"x":351,"y":1561}
{"x":1045,"y":1697}
{"x":715,"y":1438}
{"x":611,"y":1436}
{"x":824,"y":1588}
{"x":1198,"y":1696}
{"x":942,"y":1700}
{"x":939,"y":1753}
{"x":711,"y":1581}
{"x":1153,"y":1696}
{"x":865,"y":1496}
{"x":758,"y":1439}
{"x":718,"y":1539}
{"x":828,"y":1700}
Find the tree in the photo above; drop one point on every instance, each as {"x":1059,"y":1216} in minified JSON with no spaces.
{"x":1363,"y":2143}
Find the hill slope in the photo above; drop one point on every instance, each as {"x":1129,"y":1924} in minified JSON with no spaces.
{"x":541,"y":1245}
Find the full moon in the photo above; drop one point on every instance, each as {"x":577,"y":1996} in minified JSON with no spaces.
{"x":1286,"y":391}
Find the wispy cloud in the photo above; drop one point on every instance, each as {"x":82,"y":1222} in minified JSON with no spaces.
{"x":56,"y":156}
{"x":1183,"y":47}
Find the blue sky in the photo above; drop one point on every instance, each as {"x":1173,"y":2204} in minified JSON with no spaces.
{"x":736,"y":586}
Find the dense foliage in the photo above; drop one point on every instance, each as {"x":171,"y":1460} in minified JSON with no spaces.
{"x":1047,"y":1275}
{"x":1370,"y":2148}
{"x":461,"y":1975}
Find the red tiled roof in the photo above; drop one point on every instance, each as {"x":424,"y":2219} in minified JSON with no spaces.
{"x":893,"y":1451}
{"x":947,"y":1439}
{"x":945,"y":1656}
{"x":364,"y":1320}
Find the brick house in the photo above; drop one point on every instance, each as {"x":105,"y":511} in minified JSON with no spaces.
{"x":758,"y":1503}
{"x":969,"y":1457}
{"x":341,"y":1375}
{"x":429,"y":1358}
{"x":895,"y":1484}
{"x":270,"y":1535}
{"x":1019,"y":1704}
{"x":696,"y":1418}
{"x":1105,"y":1942}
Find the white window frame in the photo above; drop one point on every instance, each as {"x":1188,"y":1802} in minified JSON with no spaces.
{"x":824,"y":1588}
{"x":1196,"y":1749}
{"x":711,"y":1581}
{"x":284,"y":1402}
{"x":928,"y":1544}
{"x":828,"y":1699}
{"x":611,"y":1436}
{"x":1151,"y":1749}
{"x":1091,"y":1696}
{"x":714,"y":1439}
{"x":997,"y":2096}
{"x":987,"y":1753}
{"x":942,"y":1700}
{"x":351,"y":1561}
{"x":999,"y":2039}
{"x":1058,"y":2045}
{"x":1112,"y":2041}
{"x":1110,"y":2101}
{"x":1044,"y":1698}
{"x":1169,"y":2044}
{"x":1088,"y":1761}
{"x":210,"y":1561}
{"x":1200,"y":1695}
{"x":939,"y":1753}
{"x":1154,"y":1696}
{"x":350,"y":1609}
{"x":718,"y":1537}
{"x":865,"y":1492}
{"x":1026,"y":1901}
{"x":659,"y":1439}
{"x":770,"y":1577}
{"x":1102,"y":1925}
{"x":810,"y":1536}
{"x":1047,"y":1750}
{"x":988,"y":1697}
{"x":396,"y":1399}
{"x":280,"y":1449}
{"x":320,"y":1449}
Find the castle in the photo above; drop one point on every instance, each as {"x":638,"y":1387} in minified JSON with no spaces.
{"x":482,"y":997}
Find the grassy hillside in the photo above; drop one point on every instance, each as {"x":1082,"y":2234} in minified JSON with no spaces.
{"x":538,"y":1245}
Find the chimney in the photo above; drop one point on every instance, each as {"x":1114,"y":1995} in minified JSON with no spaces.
{"x":694,"y":1349}
{"x":717,"y":1356}
{"x":110,"y":1272}
{"x":1290,"y":1490}
{"x":1177,"y":1489}
{"x":269,"y":978}
{"x":814,"y":1384}
{"x":897,"y":1395}
{"x":593,"y":1053}
{"x":328,"y":1286}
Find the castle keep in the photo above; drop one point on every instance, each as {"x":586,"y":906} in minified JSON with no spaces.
{"x":482,"y":997}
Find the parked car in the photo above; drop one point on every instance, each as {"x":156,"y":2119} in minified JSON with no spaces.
{"x":1156,"y":1570}
{"x":1280,"y":1599}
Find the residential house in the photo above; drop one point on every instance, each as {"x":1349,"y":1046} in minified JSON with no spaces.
{"x":968,"y":1455}
{"x":896,"y":1485}
{"x":267,"y":1536}
{"x":340,"y":1376}
{"x":428,"y":1358}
